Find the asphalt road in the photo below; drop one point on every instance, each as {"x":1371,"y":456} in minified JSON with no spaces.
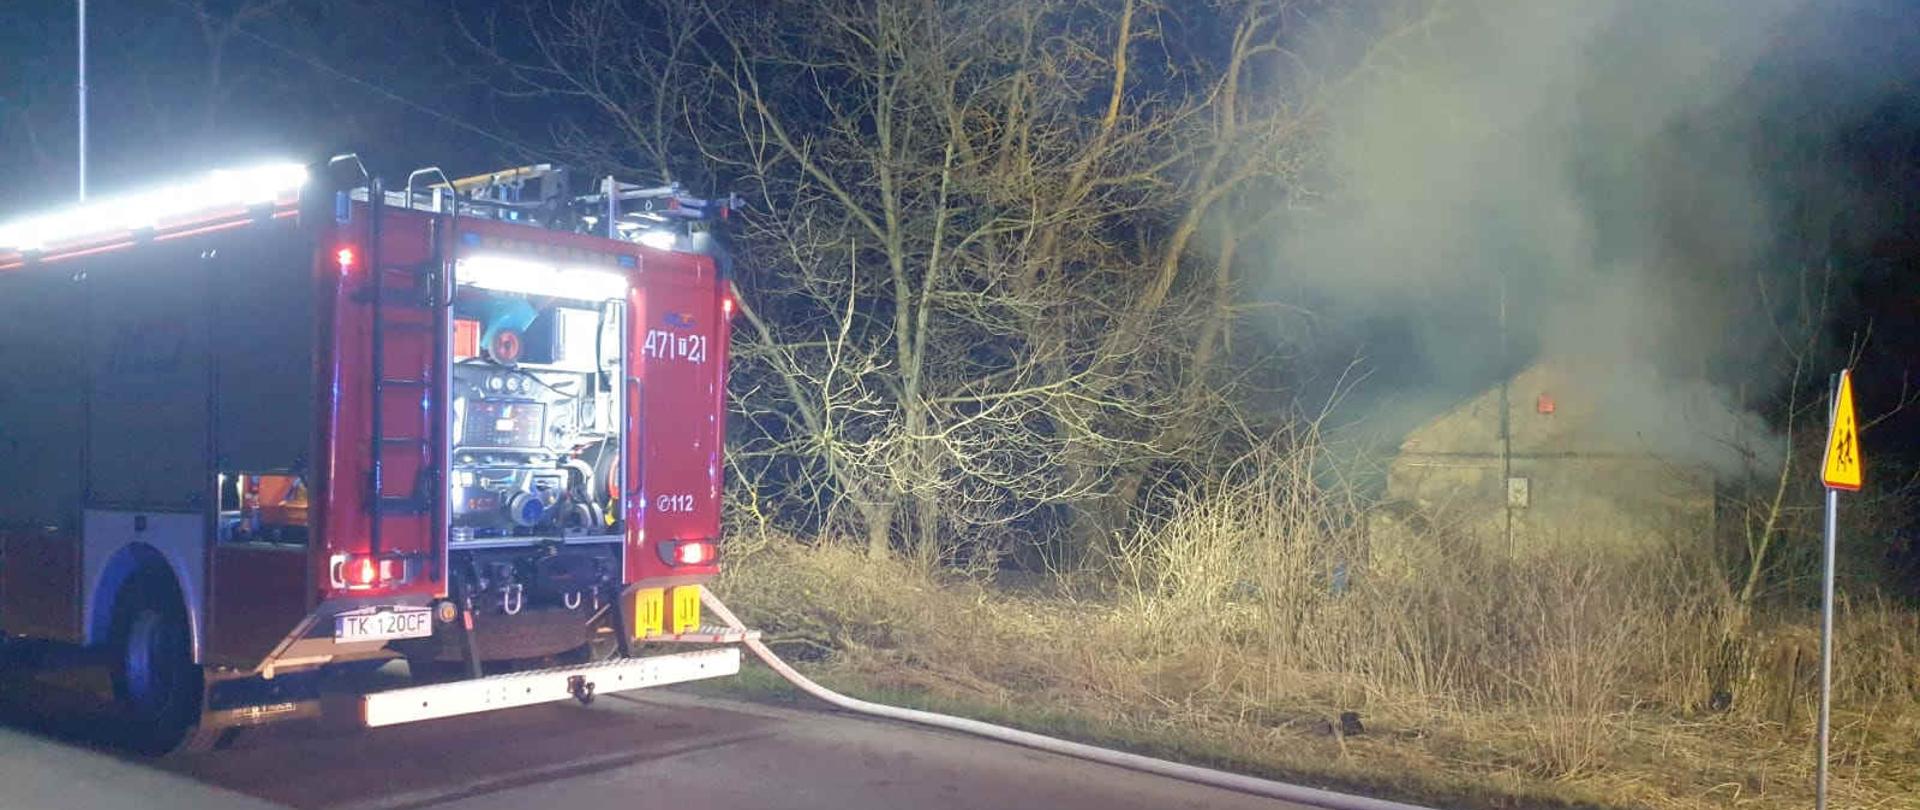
{"x":652,"y":749}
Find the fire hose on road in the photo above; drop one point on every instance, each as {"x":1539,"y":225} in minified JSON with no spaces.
{"x":1136,"y":762}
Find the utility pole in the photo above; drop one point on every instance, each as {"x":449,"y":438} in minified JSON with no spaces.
{"x":1506,"y":371}
{"x":82,"y":4}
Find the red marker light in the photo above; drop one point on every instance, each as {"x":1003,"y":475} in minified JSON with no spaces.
{"x":726,"y":306}
{"x":688,"y":552}
{"x":361,"y":571}
{"x":345,"y":256}
{"x":692,"y":553}
{"x":358,"y":572}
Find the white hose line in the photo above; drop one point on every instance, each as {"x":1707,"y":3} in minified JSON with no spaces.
{"x":1191,"y":773}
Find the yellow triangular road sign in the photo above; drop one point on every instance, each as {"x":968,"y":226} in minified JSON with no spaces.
{"x":1842,"y":467}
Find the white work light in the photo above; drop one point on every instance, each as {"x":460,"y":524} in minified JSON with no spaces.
{"x":530,"y":277}
{"x":659,"y":239}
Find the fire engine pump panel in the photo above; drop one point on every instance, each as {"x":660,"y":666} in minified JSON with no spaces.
{"x":535,"y":450}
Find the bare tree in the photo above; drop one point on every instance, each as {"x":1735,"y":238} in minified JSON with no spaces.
{"x":905,"y":217}
{"x":218,"y":23}
{"x":993,"y":243}
{"x":637,"y":66}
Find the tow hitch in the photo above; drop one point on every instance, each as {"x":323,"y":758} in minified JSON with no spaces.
{"x":581,"y":689}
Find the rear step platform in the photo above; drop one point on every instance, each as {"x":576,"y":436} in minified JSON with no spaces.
{"x":712,"y":634}
{"x":415,"y":703}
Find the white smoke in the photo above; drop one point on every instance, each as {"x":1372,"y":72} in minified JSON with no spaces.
{"x":1597,"y":184}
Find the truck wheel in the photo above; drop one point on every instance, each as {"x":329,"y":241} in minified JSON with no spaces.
{"x":156,"y":685}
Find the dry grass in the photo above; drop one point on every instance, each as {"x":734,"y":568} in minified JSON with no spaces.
{"x":1250,"y":621}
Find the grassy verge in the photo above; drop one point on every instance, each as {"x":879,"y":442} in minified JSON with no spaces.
{"x":1477,"y":714}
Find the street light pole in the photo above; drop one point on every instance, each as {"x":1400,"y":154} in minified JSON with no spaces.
{"x":83,"y":97}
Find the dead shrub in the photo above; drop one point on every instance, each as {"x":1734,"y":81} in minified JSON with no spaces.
{"x":1251,"y":611}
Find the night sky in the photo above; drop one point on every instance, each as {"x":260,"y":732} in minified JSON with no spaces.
{"x":391,"y":80}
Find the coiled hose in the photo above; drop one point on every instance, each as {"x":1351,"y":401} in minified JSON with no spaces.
{"x":1191,"y":773}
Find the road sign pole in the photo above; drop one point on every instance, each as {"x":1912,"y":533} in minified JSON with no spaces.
{"x":1841,"y":470}
{"x":1826,"y":646}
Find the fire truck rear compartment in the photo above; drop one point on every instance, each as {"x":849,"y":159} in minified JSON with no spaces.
{"x":536,"y":420}
{"x":535,"y":544}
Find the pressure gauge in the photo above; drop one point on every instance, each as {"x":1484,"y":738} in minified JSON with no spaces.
{"x":495,"y":383}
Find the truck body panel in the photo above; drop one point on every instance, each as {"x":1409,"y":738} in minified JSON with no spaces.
{"x":211,"y":395}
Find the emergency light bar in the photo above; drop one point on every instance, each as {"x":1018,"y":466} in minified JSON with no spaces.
{"x":225,"y":188}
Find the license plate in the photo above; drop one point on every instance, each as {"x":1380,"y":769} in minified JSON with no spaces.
{"x":380,"y":624}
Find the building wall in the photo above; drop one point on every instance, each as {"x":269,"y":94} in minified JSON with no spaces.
{"x":1567,"y":485}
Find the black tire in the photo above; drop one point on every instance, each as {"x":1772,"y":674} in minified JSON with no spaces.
{"x":156,"y":686}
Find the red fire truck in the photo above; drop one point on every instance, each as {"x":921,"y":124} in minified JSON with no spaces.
{"x":282,"y":422}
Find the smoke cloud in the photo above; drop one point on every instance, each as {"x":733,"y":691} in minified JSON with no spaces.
{"x":1605,"y":185}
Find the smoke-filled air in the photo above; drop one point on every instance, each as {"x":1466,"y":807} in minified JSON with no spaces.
{"x":1632,"y":192}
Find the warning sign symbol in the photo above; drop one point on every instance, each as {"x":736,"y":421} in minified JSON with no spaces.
{"x":1842,"y":467}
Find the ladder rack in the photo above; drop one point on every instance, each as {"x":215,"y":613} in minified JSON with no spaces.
{"x":542,"y":195}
